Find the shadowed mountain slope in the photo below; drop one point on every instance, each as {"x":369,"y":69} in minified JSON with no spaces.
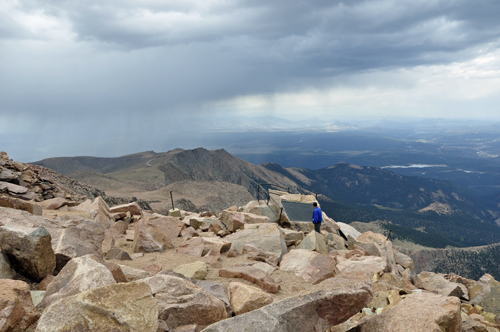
{"x":153,"y":170}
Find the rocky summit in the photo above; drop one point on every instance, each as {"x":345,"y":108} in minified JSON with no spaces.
{"x":72,"y":263}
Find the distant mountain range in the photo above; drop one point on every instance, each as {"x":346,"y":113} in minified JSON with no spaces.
{"x":428,"y":211}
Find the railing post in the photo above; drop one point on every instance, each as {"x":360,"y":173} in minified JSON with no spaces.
{"x":268,"y":197}
{"x":258,"y":193}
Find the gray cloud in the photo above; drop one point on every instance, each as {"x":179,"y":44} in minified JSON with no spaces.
{"x":120,"y":62}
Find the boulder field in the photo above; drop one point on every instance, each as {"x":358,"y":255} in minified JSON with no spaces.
{"x":90,"y":267}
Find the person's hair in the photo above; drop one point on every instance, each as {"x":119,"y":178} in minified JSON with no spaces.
{"x":315,"y":204}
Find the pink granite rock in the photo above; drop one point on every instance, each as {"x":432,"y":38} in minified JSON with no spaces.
{"x":253,"y":275}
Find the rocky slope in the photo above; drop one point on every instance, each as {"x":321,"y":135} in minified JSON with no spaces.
{"x":127,"y":269}
{"x":30,"y":182}
{"x":468,"y":262}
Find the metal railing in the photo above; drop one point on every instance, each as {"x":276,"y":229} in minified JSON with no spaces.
{"x":263,"y":192}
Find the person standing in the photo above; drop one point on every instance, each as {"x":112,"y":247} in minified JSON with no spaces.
{"x":317,"y":217}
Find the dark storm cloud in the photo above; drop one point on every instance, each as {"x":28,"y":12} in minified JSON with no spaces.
{"x":118,"y":65}
{"x":156,"y":54}
{"x":324,"y":35}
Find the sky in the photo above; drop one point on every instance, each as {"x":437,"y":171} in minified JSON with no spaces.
{"x":109,"y":77}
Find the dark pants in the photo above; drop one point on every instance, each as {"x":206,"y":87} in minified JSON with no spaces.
{"x":317,"y":227}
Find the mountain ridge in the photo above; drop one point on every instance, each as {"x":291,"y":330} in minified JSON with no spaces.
{"x":347,"y":192}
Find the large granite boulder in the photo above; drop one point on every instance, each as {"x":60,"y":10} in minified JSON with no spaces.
{"x":56,"y":203}
{"x":436,"y":282}
{"x":100,"y":212}
{"x":162,"y":232}
{"x":267,"y":236}
{"x":329,"y":303}
{"x":76,"y":237}
{"x":180,"y":302}
{"x":170,"y":226}
{"x":29,"y":250}
{"x":144,"y":241}
{"x":120,"y":307}
{"x":310,"y":265}
{"x":194,"y":247}
{"x":348,"y":230}
{"x":80,"y":274}
{"x":19,"y":204}
{"x":489,"y":296}
{"x":417,"y":312}
{"x":337,"y":241}
{"x":370,"y":236}
{"x":198,"y":222}
{"x":17,"y":311}
{"x":245,"y":298}
{"x":216,"y":244}
{"x":291,"y":236}
{"x":404,"y":260}
{"x":235,"y":220}
{"x":216,"y":289}
{"x":377,"y":245}
{"x":314,"y":241}
{"x":257,"y":253}
{"x":72,"y":236}
{"x":365,"y":264}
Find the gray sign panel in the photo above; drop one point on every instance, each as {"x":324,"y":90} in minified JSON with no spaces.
{"x":298,"y":211}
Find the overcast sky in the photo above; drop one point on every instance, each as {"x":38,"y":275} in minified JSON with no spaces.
{"x":77,"y":75}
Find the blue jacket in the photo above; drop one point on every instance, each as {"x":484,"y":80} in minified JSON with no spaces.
{"x":317,"y":215}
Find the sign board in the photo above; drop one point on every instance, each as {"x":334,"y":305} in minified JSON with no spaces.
{"x":298,"y":211}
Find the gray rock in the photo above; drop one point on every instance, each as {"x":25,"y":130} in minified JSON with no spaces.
{"x":330,"y":303}
{"x":216,"y":289}
{"x":435,"y":282}
{"x":310,"y":265}
{"x":132,"y":274}
{"x":404,"y":260}
{"x":144,"y":240}
{"x":6,"y":272}
{"x":72,"y":236}
{"x":76,"y":237}
{"x":118,"y":254}
{"x":251,"y":274}
{"x":348,"y":230}
{"x":37,"y":296}
{"x":118,"y":307}
{"x":80,"y":274}
{"x":338,"y":241}
{"x":180,"y":302}
{"x":29,"y":250}
{"x":19,"y":204}
{"x":7,"y":175}
{"x":314,"y":241}
{"x":490,"y":294}
{"x":267,"y":236}
{"x":197,"y":270}
{"x":17,"y":311}
{"x":417,"y":312}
